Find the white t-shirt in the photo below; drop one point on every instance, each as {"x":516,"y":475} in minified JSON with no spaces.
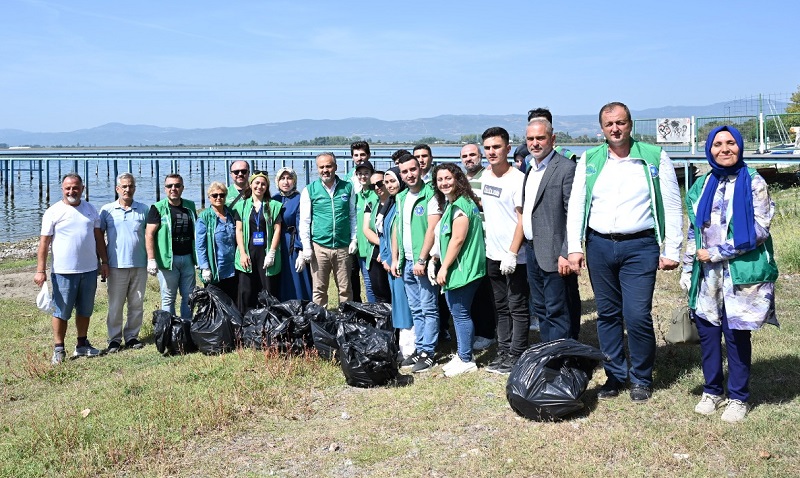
{"x":500,"y":197}
{"x":72,"y":229}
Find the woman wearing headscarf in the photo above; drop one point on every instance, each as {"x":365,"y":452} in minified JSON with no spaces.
{"x":729,"y":269}
{"x":216,"y":242}
{"x":377,"y":275}
{"x":463,"y":258}
{"x":258,"y":234}
{"x":293,"y":284}
{"x":385,"y":224}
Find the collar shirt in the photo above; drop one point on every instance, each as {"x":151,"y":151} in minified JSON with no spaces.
{"x":531,"y":188}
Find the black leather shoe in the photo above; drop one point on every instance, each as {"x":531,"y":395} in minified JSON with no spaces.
{"x":609,"y":390}
{"x":640,"y":393}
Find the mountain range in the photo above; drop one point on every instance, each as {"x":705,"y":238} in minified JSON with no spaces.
{"x":446,"y":127}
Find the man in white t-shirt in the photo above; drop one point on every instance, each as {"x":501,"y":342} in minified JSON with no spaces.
{"x":71,"y":228}
{"x":501,"y":196}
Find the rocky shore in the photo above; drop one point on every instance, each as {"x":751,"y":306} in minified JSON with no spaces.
{"x":24,"y":249}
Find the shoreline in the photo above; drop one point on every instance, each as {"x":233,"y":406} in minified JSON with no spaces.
{"x":19,"y":250}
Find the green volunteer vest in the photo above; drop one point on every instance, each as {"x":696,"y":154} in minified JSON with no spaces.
{"x":245,"y":209}
{"x":330,"y":226}
{"x":470,"y":264}
{"x":363,"y":198}
{"x":164,"y":232}
{"x":651,"y":156}
{"x":419,"y":222}
{"x":752,"y":267}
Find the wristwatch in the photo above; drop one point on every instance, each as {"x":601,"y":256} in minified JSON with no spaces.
{"x":422,"y":261}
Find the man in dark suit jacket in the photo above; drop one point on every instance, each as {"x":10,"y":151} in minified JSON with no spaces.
{"x":546,"y":191}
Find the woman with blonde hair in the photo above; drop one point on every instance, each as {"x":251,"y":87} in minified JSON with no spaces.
{"x":216,"y":242}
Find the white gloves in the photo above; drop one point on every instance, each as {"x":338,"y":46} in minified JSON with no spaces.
{"x":353,"y":247}
{"x":206,"y":275}
{"x":432,"y":271}
{"x":303,"y":258}
{"x":269,"y":261}
{"x":152,"y":267}
{"x":306,"y":255}
{"x":686,"y":281}
{"x":508,"y":264}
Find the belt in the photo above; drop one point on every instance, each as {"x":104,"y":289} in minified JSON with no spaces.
{"x":624,"y":237}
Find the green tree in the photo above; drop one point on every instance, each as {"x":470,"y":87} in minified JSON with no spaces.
{"x":469,"y":138}
{"x":794,"y":106}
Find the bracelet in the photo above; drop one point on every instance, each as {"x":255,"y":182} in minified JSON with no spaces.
{"x":42,"y":272}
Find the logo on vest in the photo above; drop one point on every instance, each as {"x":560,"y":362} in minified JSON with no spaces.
{"x":419,"y":210}
{"x":445,"y":228}
{"x":345,"y":197}
{"x":653,"y":171}
{"x":591,"y":170}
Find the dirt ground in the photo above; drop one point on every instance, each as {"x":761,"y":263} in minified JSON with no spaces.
{"x":18,"y":283}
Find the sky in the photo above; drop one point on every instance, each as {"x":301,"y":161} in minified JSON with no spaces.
{"x":74,"y":64}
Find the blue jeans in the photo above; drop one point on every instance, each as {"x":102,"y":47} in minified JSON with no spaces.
{"x":460,"y":300}
{"x":422,"y":302}
{"x":74,"y":291}
{"x":555,"y":300}
{"x":623,"y":276}
{"x":739,"y":349}
{"x":181,"y":276}
{"x":367,"y":282}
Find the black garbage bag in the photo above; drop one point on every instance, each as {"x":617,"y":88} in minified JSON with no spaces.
{"x":172,"y":334}
{"x":377,"y":314}
{"x":253,"y":328}
{"x":289,"y":308}
{"x":549,"y":379}
{"x":323,"y":336}
{"x":216,"y":321}
{"x":265,"y":299}
{"x":368,"y":355}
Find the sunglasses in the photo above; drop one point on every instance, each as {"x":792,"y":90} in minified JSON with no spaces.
{"x":173,"y":185}
{"x":377,"y":184}
{"x":217,"y":195}
{"x":237,"y":172}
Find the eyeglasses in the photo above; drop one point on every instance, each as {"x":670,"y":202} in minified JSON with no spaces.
{"x":217,"y":195}
{"x":173,"y":185}
{"x":376,"y":184}
{"x":237,"y":172}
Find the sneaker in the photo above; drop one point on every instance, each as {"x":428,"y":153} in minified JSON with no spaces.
{"x":492,"y":367}
{"x":505,"y":367}
{"x":134,"y":344}
{"x":459,"y":367}
{"x":534,"y":324}
{"x":481,"y":343}
{"x":453,"y":359}
{"x":113,"y":347}
{"x":735,"y":411}
{"x":424,"y":363}
{"x":410,"y":361}
{"x":709,"y":404}
{"x":59,"y":354}
{"x":86,"y":351}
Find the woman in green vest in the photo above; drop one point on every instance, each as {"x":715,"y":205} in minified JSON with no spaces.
{"x":729,"y":269}
{"x":216,"y":242}
{"x":463,"y":258}
{"x":258,"y":237}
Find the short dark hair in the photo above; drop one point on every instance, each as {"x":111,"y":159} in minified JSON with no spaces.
{"x":362,"y":145}
{"x":425,"y":147}
{"x":400,"y":152}
{"x":73,"y":176}
{"x":495,"y":131}
{"x":540,"y":113}
{"x":173,"y":176}
{"x":611,"y":106}
{"x":405,"y":157}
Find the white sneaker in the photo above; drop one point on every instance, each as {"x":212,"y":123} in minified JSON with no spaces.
{"x":709,"y":404}
{"x":735,"y":411}
{"x":453,"y":360}
{"x":481,"y":343}
{"x":534,"y":324}
{"x":459,"y":367}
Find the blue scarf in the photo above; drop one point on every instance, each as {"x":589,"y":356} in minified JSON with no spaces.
{"x":743,"y":221}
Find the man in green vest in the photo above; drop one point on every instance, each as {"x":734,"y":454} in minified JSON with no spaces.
{"x":625,"y":205}
{"x":169,"y":241}
{"x":240,"y":174}
{"x":328,"y":222}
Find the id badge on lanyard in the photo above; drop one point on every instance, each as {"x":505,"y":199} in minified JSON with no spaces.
{"x":258,"y":236}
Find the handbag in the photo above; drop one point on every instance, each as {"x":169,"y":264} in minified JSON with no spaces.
{"x":682,"y":329}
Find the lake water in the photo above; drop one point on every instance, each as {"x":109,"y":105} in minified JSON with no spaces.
{"x":21,"y":216}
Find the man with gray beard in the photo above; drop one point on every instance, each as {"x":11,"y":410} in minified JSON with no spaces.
{"x":71,"y":229}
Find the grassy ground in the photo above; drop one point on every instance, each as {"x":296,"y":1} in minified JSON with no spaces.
{"x":252,"y":413}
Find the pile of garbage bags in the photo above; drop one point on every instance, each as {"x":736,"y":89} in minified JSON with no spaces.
{"x":549,"y":379}
{"x":360,"y":336}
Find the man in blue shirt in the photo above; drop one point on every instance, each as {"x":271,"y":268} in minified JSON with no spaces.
{"x":123,"y":222}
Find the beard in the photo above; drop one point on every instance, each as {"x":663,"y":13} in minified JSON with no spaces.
{"x":73,"y":200}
